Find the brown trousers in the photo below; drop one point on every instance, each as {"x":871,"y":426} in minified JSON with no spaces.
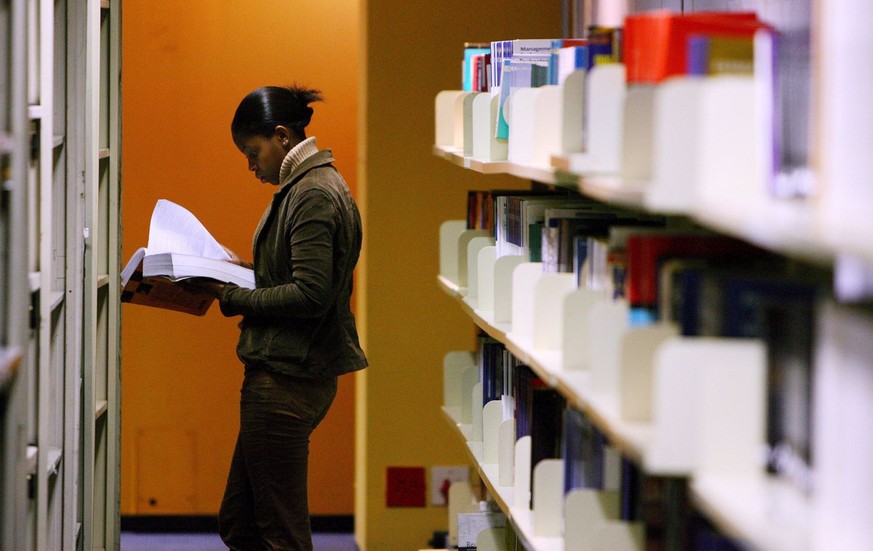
{"x":265,"y":504}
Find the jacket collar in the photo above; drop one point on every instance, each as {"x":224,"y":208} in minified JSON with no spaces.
{"x":322,"y":158}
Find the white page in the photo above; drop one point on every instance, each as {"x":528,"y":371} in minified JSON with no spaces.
{"x":173,"y":229}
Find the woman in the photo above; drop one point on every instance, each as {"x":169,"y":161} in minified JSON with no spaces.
{"x":297,"y":331}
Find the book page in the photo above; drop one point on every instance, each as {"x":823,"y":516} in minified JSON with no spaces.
{"x":174,"y":229}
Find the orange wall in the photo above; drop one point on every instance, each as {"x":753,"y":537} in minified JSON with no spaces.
{"x":186,"y":64}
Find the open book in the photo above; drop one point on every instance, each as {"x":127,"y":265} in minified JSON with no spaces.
{"x":179,"y":251}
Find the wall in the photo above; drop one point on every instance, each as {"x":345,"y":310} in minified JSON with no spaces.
{"x":187,"y":63}
{"x":410,"y":55}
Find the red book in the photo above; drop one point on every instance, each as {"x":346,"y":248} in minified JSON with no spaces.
{"x":645,"y":253}
{"x":656,"y":43}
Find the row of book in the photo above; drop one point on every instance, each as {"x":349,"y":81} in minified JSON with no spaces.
{"x":705,"y":284}
{"x":652,"y":45}
{"x":543,"y":61}
{"x":559,"y":431}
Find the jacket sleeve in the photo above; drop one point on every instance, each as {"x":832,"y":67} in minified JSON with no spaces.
{"x":309,"y":234}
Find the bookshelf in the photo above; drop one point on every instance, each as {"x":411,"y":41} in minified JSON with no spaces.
{"x":60,"y":89}
{"x":727,"y":194}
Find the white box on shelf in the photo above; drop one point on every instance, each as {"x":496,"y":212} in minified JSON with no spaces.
{"x":475,"y":245}
{"x":492,"y":419}
{"x":469,"y":132}
{"x":591,"y":523}
{"x":454,"y":365}
{"x":577,"y":307}
{"x":485,"y":276}
{"x":450,"y":234}
{"x":607,"y":325}
{"x":730,"y":167}
{"x":466,"y":237}
{"x":449,"y":118}
{"x":506,"y":454}
{"x":524,"y":278}
{"x":843,"y":493}
{"x":604,"y":120}
{"x":842,"y":122}
{"x":638,"y":349}
{"x":709,"y":407}
{"x":486,"y":146}
{"x":548,"y":498}
{"x":674,"y":154}
{"x":572,"y":100}
{"x":549,"y":295}
{"x":535,"y":125}
{"x":477,"y":429}
{"x":638,"y":132}
{"x":504,"y":269}
{"x":469,"y":380}
{"x":522,"y":473}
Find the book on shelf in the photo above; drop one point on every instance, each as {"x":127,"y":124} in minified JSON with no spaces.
{"x":583,"y":452}
{"x":566,"y":232}
{"x":546,"y":414}
{"x":472,"y":58}
{"x":558,"y":45}
{"x":656,"y":43}
{"x":721,"y":55}
{"x":645,"y":253}
{"x":514,"y":215}
{"x":601,"y":261}
{"x":778,"y":308}
{"x":513,"y":63}
{"x":180,"y":252}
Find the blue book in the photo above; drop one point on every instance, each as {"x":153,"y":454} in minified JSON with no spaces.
{"x":469,"y":52}
{"x":582,"y":453}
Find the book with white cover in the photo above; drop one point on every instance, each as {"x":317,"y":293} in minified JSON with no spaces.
{"x":179,"y":249}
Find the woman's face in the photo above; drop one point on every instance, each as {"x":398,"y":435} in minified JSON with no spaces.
{"x":264,"y":155}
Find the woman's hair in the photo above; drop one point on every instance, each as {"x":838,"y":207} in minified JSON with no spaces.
{"x":261,"y":111}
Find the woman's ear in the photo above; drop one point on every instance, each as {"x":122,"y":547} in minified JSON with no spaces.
{"x":283,"y":135}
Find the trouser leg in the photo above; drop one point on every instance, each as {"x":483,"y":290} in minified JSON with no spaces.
{"x":236,"y":521}
{"x":277,"y":416}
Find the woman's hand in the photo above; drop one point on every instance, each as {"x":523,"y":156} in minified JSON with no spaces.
{"x":235,"y":258}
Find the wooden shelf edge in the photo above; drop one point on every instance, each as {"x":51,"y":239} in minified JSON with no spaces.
{"x":764,"y":512}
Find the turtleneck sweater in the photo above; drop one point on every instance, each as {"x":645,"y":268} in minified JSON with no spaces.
{"x":297,"y":155}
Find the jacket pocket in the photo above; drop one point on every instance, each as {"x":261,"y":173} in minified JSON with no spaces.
{"x":287,"y":343}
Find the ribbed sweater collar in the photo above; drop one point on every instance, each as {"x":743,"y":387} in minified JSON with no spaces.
{"x":297,"y":155}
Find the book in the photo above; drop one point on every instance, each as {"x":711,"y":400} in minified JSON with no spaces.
{"x":583,"y":452}
{"x":779,"y":309}
{"x":471,"y":66}
{"x":180,"y":251}
{"x":656,"y":43}
{"x":721,"y":55}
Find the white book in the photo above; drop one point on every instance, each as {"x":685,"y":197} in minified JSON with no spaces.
{"x":179,"y":248}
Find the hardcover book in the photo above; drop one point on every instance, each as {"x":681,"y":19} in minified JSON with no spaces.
{"x":656,"y":43}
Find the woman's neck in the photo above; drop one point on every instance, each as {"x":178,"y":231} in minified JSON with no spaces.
{"x":297,"y":155}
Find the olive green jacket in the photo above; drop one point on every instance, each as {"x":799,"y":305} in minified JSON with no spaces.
{"x":298,"y":319}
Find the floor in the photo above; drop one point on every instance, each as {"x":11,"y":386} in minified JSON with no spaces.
{"x":132,"y":541}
